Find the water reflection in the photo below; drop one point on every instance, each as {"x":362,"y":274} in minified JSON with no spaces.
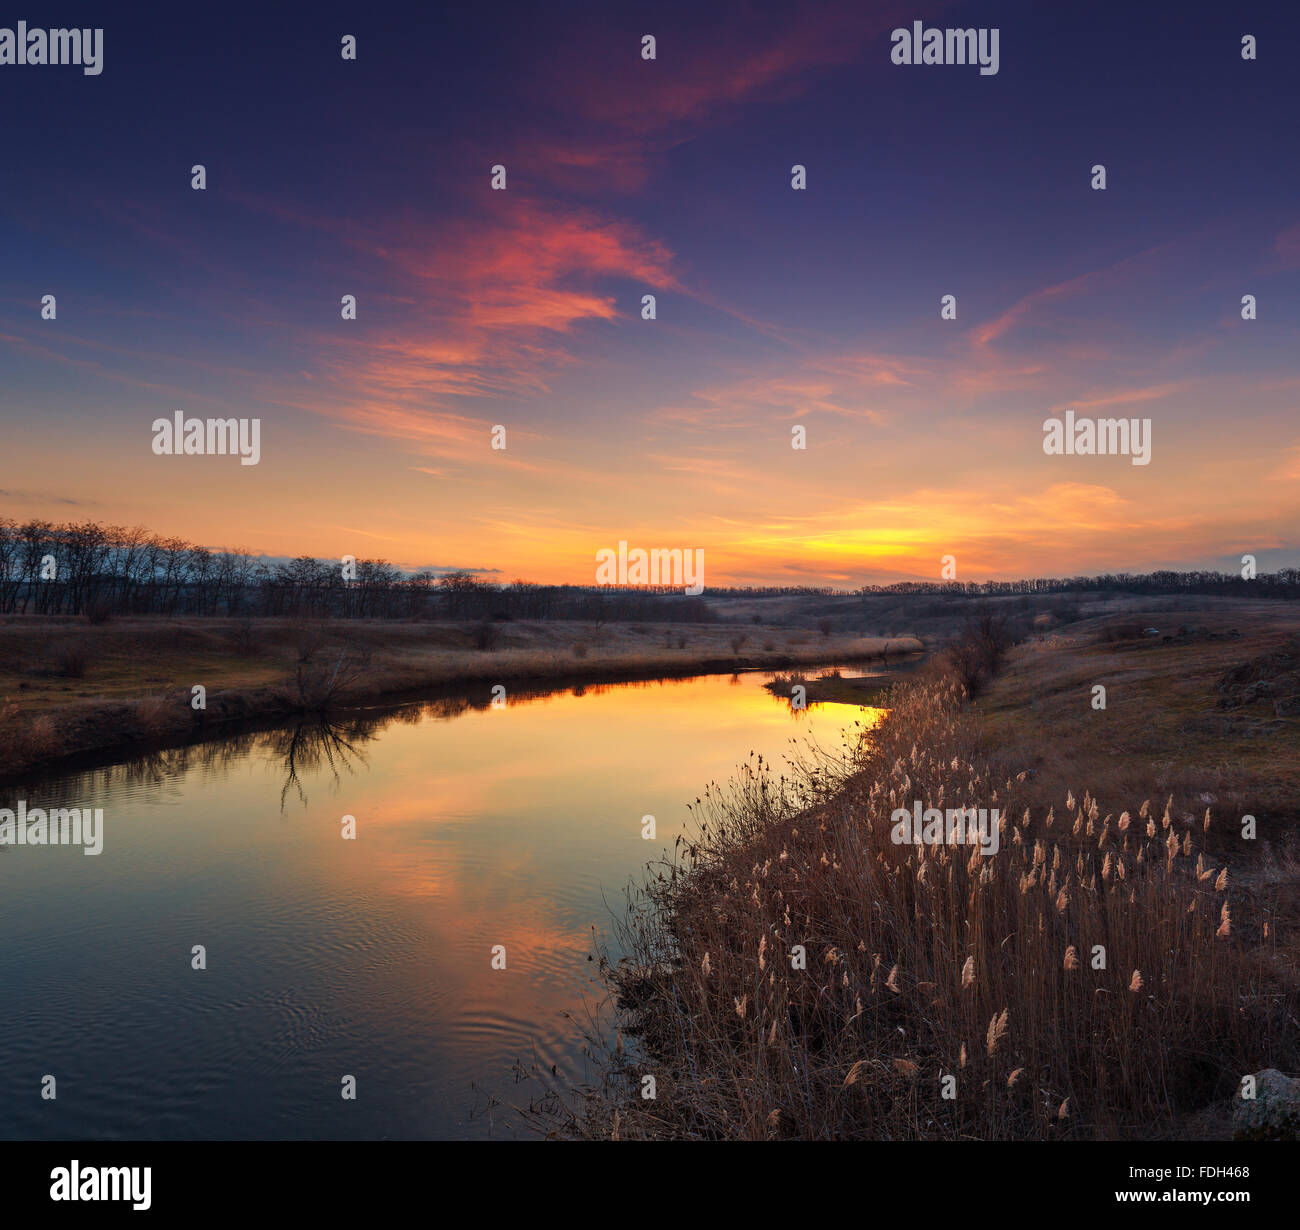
{"x":477,"y":825}
{"x":323,"y":743}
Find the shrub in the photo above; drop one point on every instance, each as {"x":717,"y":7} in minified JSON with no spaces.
{"x":320,"y":686}
{"x":70,"y":660}
{"x":978,"y":654}
{"x":244,"y":639}
{"x":308,"y":640}
{"x":155,"y":715}
{"x":99,"y":612}
{"x":1126,"y":631}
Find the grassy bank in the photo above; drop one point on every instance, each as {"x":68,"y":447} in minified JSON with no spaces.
{"x":835,"y":688}
{"x":1112,"y":971}
{"x":69,"y":688}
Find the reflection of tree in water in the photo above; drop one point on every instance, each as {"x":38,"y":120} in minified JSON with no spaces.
{"x":157,"y":767}
{"x":332,"y":741}
{"x":320,"y":743}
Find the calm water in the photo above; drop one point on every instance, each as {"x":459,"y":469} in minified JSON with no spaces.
{"x":372,"y":958}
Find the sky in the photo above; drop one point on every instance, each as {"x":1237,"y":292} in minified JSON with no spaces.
{"x":776,"y":308}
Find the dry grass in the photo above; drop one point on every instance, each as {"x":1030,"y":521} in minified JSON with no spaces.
{"x":116,"y":685}
{"x":1163,"y":731}
{"x":939,"y":969}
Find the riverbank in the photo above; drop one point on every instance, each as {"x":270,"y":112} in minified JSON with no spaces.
{"x":69,"y":689}
{"x":1112,"y":970}
{"x":834,"y":687}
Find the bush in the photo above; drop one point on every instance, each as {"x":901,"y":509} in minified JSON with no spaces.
{"x":979,"y":654}
{"x":1125,"y":631}
{"x":320,"y":686}
{"x":156,"y":715}
{"x":99,"y":612}
{"x":27,"y":739}
{"x":244,"y":640}
{"x":71,"y":660}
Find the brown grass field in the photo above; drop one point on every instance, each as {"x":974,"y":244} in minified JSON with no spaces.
{"x":68,"y":688}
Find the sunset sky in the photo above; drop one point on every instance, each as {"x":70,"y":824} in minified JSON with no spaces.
{"x":670,"y":177}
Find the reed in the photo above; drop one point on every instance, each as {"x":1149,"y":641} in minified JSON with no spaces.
{"x":1092,"y":978}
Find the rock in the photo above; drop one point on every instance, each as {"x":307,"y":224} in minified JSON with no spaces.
{"x":1273,"y":1113}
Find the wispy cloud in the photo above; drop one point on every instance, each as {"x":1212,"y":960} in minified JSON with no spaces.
{"x":1039,"y":307}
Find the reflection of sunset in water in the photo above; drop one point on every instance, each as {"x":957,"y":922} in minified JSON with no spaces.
{"x":476,"y":826}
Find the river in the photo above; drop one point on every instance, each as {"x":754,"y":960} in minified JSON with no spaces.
{"x":475,"y":827}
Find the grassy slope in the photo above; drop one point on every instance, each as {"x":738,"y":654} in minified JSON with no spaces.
{"x":1161,"y":729}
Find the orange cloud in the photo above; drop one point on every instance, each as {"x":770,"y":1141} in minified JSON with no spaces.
{"x":1122,"y":397}
{"x":1289,"y":470}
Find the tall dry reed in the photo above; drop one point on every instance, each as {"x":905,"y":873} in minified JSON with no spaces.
{"x":1090,"y":979}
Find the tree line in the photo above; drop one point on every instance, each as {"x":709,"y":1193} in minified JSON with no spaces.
{"x":86,"y":568}
{"x":1284,"y":583}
